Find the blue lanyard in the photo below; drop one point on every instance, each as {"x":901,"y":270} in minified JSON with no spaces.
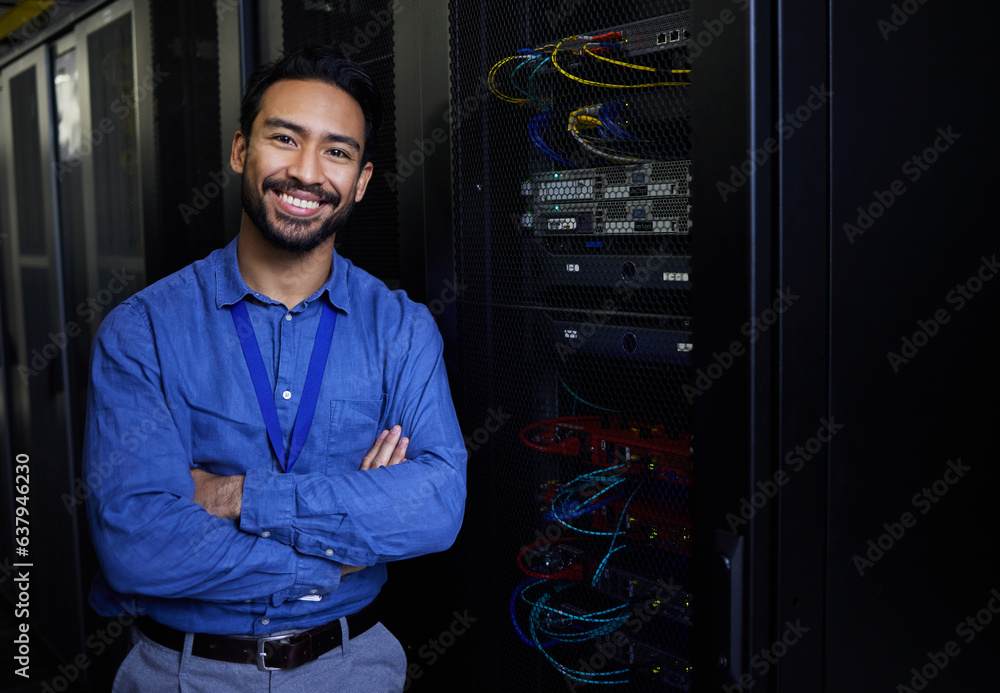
{"x":262,"y":386}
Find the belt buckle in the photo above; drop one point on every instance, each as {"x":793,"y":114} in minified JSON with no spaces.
{"x":261,"y":655}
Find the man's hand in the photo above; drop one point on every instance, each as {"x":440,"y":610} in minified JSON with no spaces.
{"x":220,"y":495}
{"x":388,"y":449}
{"x":348,"y":569}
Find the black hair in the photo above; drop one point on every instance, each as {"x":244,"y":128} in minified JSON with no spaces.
{"x":323,"y":64}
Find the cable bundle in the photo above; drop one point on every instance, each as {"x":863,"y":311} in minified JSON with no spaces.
{"x":596,"y":129}
{"x":549,"y":625}
{"x":593,"y":48}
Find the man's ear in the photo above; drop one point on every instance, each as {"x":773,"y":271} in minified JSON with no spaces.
{"x":363,"y":178}
{"x":238,"y":157}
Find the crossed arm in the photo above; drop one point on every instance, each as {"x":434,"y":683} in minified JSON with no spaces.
{"x":222,"y":496}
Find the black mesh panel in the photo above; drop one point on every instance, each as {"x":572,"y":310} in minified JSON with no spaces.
{"x":572,"y":239}
{"x":113,"y":142}
{"x":27,"y":162}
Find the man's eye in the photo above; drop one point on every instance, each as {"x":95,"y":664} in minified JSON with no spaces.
{"x":338,"y":153}
{"x":284,"y":139}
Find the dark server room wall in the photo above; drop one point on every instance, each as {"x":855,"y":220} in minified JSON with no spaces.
{"x":572,"y":226}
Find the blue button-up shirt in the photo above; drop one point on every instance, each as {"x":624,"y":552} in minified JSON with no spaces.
{"x":170,"y":390}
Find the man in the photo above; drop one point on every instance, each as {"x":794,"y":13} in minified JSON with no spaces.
{"x":240,"y":504}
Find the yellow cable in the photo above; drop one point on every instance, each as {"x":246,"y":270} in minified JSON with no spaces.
{"x":586,"y":49}
{"x":571,"y":126}
{"x":574,"y":114}
{"x":591,"y":83}
{"x":490,"y":81}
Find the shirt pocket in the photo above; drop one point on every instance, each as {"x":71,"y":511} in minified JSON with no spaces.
{"x":354,"y":426}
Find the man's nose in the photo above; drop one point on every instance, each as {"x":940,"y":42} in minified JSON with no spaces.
{"x":306,"y":167}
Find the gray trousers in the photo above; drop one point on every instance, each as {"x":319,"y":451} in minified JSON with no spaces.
{"x":373,"y":662}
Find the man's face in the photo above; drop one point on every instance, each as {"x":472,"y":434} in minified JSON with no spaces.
{"x":301,"y":174}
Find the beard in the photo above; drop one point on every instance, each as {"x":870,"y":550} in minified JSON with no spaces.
{"x":289,"y":233}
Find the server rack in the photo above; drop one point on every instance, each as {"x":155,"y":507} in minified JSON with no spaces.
{"x":580,"y":250}
{"x":35,"y":367}
{"x":96,"y":169}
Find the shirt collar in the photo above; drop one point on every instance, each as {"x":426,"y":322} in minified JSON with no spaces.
{"x":230,"y":287}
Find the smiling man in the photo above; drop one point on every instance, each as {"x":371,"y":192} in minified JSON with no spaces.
{"x":271,"y":425}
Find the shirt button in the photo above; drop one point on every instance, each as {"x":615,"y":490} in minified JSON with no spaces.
{"x":288,"y":316}
{"x":265,"y":534}
{"x":313,"y":591}
{"x":287,"y":394}
{"x":329,"y":552}
{"x":264,"y":621}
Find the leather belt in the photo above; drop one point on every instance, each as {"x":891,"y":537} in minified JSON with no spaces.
{"x":269,"y":652}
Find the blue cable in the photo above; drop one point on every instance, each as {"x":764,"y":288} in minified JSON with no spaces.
{"x":572,"y":673}
{"x":536,"y":137}
{"x":606,"y":115}
{"x":611,"y":549}
{"x":513,"y":599}
{"x":581,"y":399}
{"x":587,"y":502}
{"x":589,"y":506}
{"x":569,"y":489}
{"x":585,"y":617}
{"x":514,"y":71}
{"x":531,"y":77}
{"x":600,"y":567}
{"x":584,"y":509}
{"x":534,"y":131}
{"x":602,"y":625}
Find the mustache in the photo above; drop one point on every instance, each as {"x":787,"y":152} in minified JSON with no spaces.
{"x":287,"y":186}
